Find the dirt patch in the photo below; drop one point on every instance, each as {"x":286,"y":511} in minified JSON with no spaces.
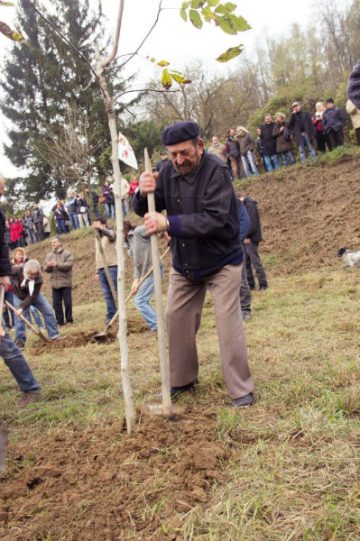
{"x":307,"y":214}
{"x":136,"y":483}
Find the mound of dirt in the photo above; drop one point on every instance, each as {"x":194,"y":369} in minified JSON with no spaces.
{"x":96,"y":484}
{"x":307,"y":214}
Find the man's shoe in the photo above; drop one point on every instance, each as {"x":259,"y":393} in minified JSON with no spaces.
{"x":244,"y":401}
{"x":29,"y":398}
{"x":263,"y":287}
{"x":20,"y":344}
{"x":189,"y":387}
{"x":246,"y":316}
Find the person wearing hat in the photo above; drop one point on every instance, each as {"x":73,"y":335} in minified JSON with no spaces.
{"x":59,"y":263}
{"x":301,"y":124}
{"x":202,"y":219}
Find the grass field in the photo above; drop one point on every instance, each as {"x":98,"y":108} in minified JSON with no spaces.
{"x":285,"y":469}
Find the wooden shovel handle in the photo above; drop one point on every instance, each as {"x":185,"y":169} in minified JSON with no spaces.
{"x":27,"y":323}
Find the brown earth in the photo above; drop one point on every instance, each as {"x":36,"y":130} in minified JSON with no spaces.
{"x":112,"y":484}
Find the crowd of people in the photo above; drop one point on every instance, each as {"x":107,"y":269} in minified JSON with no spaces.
{"x":279,"y":139}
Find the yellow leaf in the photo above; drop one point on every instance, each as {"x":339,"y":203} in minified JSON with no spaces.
{"x":179,"y":78}
{"x":6,"y":3}
{"x":230,"y":54}
{"x":166,"y":80}
{"x":6,"y":30}
{"x":163,"y":63}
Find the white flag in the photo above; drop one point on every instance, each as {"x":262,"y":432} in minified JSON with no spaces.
{"x":126,"y":153}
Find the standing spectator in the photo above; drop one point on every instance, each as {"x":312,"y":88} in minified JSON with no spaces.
{"x":29,"y":228}
{"x":107,"y":239}
{"x":259,"y":149}
{"x":140,"y":252}
{"x":133,"y":187}
{"x":59,"y":263}
{"x":246,"y":143}
{"x":318,"y":121}
{"x":46,"y":227}
{"x":71,"y":209}
{"x":203,"y":222}
{"x":82,"y":210}
{"x":108,"y":198}
{"x":13,"y":357}
{"x":354,"y":113}
{"x":245,"y":293}
{"x":283,"y":136}
{"x":269,"y":144}
{"x":38,"y":216}
{"x":27,"y":282}
{"x":94,"y":200}
{"x":15,"y":233}
{"x":251,"y":245}
{"x":217,"y":148}
{"x":304,"y":131}
{"x":233,"y":153}
{"x":353,"y":90}
{"x":125,"y":188}
{"x":61,"y":217}
{"x":334,"y":120}
{"x":164,"y":158}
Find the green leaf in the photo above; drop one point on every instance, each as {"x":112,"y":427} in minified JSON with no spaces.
{"x":225,"y":25}
{"x":180,"y":78}
{"x":11,"y":34}
{"x":221,"y":10}
{"x":151,"y":59}
{"x":185,"y":5}
{"x":230,"y":7}
{"x":231,"y":53}
{"x":212,"y":3}
{"x":207,"y":14}
{"x":196,"y":4}
{"x":239,"y":23}
{"x":166,"y":79}
{"x":195,"y":18}
{"x":163,"y":63}
{"x":183,"y":14}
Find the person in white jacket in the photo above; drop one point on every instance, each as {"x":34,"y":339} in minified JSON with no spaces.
{"x":354,"y":113}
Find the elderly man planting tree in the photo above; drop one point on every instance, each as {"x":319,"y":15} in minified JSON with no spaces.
{"x":203,"y":222}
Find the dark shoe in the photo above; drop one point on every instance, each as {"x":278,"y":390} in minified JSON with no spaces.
{"x":29,"y":398}
{"x":246,"y":316}
{"x":175,"y":391}
{"x":20,"y":344}
{"x":263,"y":287}
{"x":252,"y":288}
{"x":244,"y":401}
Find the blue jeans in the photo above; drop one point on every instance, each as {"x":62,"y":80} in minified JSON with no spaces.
{"x":110,"y":210}
{"x":287,"y":157}
{"x":61,"y":227}
{"x":142,"y":302}
{"x":271,"y":162}
{"x":305,"y":142}
{"x":74,"y":220}
{"x":16,"y":363}
{"x":34,"y":313}
{"x":249,"y":164}
{"x":109,"y":300}
{"x":45,"y":309}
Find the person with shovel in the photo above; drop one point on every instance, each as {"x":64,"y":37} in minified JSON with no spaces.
{"x":13,"y":357}
{"x":202,"y":220}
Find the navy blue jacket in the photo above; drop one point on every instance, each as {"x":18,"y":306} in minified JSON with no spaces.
{"x":203,"y":215}
{"x":333,"y":119}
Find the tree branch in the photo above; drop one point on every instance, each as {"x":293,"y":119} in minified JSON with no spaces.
{"x":146,"y":36}
{"x":117,"y":35}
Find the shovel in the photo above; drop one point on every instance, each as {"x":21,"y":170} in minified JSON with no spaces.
{"x":101,"y":336}
{"x":28,"y":324}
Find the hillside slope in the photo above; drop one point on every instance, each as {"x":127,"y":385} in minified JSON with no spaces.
{"x":307,"y":212}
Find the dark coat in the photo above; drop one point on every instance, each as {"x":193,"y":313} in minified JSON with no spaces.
{"x":301,"y":122}
{"x":282,"y":144}
{"x":268,"y":141}
{"x":246,"y":143}
{"x":254,"y":234}
{"x":354,"y":86}
{"x":232,"y":148}
{"x":203,"y":216}
{"x":22,"y":292}
{"x":5,"y":265}
{"x":333,"y":119}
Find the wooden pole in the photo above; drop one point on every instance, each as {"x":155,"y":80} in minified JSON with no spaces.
{"x":160,"y":315}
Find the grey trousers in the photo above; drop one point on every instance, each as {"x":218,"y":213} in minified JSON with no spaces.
{"x":245,"y":293}
{"x":185,"y":303}
{"x":252,"y":259}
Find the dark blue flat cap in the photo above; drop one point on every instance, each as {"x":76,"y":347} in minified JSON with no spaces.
{"x":354,"y":86}
{"x":179,"y":132}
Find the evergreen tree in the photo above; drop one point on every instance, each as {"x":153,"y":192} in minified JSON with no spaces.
{"x":45,"y":78}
